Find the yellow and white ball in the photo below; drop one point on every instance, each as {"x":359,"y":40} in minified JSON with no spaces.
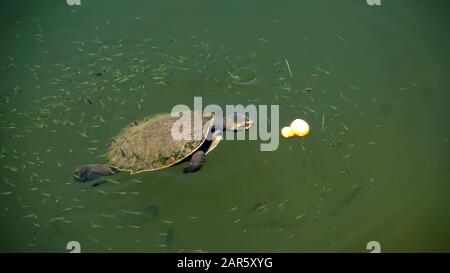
{"x":287,"y":132}
{"x":300,"y":127}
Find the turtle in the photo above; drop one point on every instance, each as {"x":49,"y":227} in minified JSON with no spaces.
{"x":149,"y":144}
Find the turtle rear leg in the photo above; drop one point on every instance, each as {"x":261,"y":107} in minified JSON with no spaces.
{"x":90,"y":172}
{"x":197,"y":161}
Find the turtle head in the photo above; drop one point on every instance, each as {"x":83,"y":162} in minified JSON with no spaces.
{"x":237,"y":122}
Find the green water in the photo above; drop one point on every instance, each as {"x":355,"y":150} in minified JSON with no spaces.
{"x":371,"y":81}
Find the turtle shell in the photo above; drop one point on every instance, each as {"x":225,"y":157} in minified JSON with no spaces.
{"x":149,"y":145}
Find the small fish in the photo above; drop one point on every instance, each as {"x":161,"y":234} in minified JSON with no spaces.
{"x":132,"y":212}
{"x":344,"y":171}
{"x":139,"y":218}
{"x":349,"y":199}
{"x":277,"y":223}
{"x":259,"y":205}
{"x":342,"y":38}
{"x":169,"y":239}
{"x":32,"y":215}
{"x":83,"y":134}
{"x":62,"y":219}
{"x":93,"y":225}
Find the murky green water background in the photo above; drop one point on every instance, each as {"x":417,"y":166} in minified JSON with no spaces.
{"x":371,"y":81}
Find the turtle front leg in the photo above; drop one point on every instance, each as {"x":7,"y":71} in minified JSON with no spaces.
{"x":90,"y":172}
{"x":197,"y":161}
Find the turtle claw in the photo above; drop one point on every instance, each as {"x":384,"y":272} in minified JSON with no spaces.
{"x":83,"y":174}
{"x":197,"y":161}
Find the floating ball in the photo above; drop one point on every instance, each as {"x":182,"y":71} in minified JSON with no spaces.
{"x":300,"y":127}
{"x":287,"y":132}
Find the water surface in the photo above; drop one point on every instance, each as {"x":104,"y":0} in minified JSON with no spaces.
{"x":371,"y":81}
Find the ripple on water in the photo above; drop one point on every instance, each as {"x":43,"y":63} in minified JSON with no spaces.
{"x":246,"y":75}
